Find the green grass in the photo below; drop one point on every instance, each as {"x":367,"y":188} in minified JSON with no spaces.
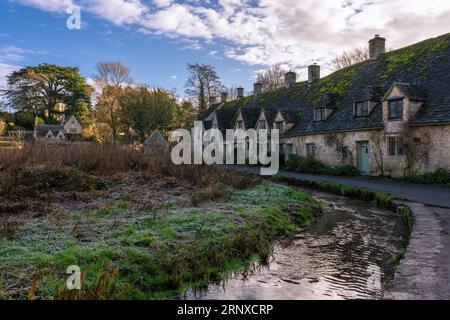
{"x":155,"y":255}
{"x":380,"y":199}
{"x":439,"y":177}
{"x":395,"y":261}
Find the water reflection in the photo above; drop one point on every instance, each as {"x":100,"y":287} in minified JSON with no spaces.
{"x":331,"y":259}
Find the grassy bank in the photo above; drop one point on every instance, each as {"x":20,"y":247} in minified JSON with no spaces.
{"x":136,"y":234}
{"x":380,"y":199}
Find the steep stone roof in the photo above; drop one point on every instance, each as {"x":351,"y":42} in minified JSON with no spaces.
{"x":250,"y":116}
{"x":422,"y":70}
{"x":226,"y":118}
{"x":42,"y":130}
{"x":155,"y":142}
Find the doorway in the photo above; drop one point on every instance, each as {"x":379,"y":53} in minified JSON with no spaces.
{"x":364,"y":157}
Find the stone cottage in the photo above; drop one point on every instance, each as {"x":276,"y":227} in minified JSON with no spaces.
{"x":389,"y":115}
{"x":67,"y":131}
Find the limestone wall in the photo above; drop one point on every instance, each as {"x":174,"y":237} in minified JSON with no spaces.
{"x":433,"y":150}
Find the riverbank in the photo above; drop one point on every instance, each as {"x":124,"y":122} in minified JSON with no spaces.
{"x":332,"y":258}
{"x":137,"y":234}
{"x":423,"y":270}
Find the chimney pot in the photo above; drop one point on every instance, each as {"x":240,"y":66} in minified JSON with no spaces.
{"x":377,"y":46}
{"x":257,"y":88}
{"x":290,"y":78}
{"x":313,"y":72}
{"x":240,"y":92}
{"x":224,"y":96}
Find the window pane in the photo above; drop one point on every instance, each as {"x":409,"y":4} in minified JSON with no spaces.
{"x":310,"y":150}
{"x":396,"y":109}
{"x":391,"y":146}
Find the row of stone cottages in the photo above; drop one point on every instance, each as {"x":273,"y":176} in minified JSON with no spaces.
{"x":389,"y":115}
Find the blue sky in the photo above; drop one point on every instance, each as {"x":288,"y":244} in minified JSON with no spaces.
{"x":156,"y":38}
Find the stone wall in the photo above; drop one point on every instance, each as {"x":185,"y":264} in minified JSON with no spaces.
{"x":342,"y":148}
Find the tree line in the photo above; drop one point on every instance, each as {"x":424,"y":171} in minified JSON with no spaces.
{"x":115,"y":107}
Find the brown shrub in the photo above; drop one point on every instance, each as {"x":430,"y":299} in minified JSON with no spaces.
{"x":44,"y":167}
{"x":88,"y":157}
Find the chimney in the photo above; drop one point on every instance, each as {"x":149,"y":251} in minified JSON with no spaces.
{"x":240,"y":92}
{"x":224,"y":96}
{"x":212,"y":100}
{"x":63,"y":119}
{"x":313,"y":72}
{"x":377,"y":46}
{"x":290,"y":78}
{"x":257,"y":88}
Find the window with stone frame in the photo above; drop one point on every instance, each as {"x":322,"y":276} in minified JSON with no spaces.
{"x":396,"y":146}
{"x":319,"y":114}
{"x":361,"y":109}
{"x":311,"y":150}
{"x":395,"y":109}
{"x":240,"y":124}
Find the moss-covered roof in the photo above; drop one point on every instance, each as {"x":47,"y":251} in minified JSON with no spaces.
{"x":423,"y":69}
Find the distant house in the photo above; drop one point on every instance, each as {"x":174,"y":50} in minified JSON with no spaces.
{"x":70,"y":130}
{"x":156,"y":143}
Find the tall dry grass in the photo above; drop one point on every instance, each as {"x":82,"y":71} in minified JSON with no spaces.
{"x":88,"y":157}
{"x":38,"y":162}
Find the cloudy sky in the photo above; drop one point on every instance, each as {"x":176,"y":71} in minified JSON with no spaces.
{"x":156,"y":38}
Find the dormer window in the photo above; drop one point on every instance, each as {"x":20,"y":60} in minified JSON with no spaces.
{"x":396,"y":109}
{"x":262,"y":124}
{"x":362,"y":109}
{"x":319,"y":114}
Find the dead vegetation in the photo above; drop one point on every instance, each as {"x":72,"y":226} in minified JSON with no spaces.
{"x":139,"y":226}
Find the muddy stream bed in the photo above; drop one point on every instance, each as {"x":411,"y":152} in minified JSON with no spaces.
{"x":339,"y":256}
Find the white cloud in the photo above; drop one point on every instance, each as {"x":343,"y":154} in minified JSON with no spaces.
{"x":162,"y":3}
{"x":48,"y":5}
{"x":283,"y":32}
{"x":118,"y":12}
{"x":177,"y":20}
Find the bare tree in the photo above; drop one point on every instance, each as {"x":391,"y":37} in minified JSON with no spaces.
{"x":113,"y":74}
{"x":349,"y":58}
{"x":378,"y":138}
{"x":202,"y":84}
{"x":416,"y":147}
{"x":111,"y":78}
{"x":272,"y":78}
{"x":232,"y":92}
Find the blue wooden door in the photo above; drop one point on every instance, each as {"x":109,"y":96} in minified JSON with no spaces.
{"x":364,"y":158}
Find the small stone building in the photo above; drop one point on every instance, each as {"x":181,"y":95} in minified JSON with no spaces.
{"x":389,"y":115}
{"x":156,"y":143}
{"x":66,"y":131}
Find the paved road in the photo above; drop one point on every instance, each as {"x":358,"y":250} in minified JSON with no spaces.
{"x":426,"y":194}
